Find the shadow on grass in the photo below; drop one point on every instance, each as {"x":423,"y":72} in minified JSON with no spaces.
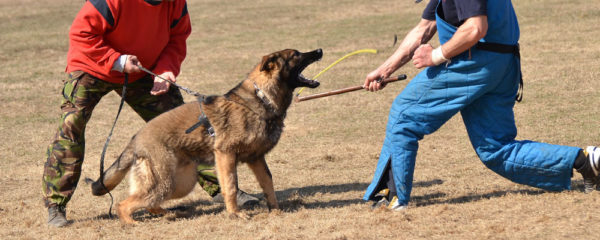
{"x":181,"y":211}
{"x":292,"y":199}
{"x":438,"y":198}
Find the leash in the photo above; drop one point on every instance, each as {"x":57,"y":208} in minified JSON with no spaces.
{"x":187,"y":90}
{"x":123,"y":93}
{"x":202,"y":119}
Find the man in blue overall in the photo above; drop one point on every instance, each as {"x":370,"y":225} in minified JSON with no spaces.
{"x":476,"y":71}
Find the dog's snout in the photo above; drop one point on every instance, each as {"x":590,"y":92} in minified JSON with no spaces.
{"x":318,"y":53}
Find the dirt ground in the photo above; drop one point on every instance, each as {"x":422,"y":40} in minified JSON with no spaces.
{"x":330,"y":146}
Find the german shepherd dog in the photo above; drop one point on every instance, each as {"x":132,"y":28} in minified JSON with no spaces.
{"x":240,"y":126}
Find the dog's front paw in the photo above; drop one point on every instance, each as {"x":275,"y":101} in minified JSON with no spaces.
{"x":273,"y":206}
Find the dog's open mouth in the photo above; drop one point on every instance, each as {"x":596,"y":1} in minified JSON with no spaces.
{"x":305,"y":82}
{"x":308,"y":58}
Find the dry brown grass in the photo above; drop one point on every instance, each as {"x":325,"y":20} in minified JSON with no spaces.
{"x":328,"y":152}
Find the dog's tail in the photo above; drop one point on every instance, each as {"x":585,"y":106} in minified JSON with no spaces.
{"x":114,"y":174}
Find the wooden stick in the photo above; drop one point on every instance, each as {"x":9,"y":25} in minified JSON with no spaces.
{"x":348,"y":89}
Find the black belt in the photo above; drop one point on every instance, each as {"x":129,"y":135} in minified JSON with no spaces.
{"x":499,"y":48}
{"x":504,"y":48}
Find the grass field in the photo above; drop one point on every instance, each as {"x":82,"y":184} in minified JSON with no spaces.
{"x":329,"y":149}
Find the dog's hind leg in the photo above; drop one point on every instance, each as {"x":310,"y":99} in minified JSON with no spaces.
{"x":184,"y":179}
{"x":141,"y":180}
{"x":146,"y":190}
{"x":265,"y":179}
{"x":227,"y":174}
{"x":184,"y":182}
{"x":128,"y":206}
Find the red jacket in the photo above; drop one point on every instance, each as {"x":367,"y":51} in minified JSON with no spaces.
{"x":103,"y":30}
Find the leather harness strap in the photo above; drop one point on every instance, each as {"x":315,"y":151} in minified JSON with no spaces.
{"x":202,"y":120}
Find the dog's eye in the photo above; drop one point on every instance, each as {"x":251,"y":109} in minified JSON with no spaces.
{"x":296,"y":54}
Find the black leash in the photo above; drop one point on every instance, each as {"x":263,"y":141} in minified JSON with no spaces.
{"x":106,"y":145}
{"x":101,"y":179}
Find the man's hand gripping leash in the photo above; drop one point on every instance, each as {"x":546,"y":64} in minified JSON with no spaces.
{"x":187,"y":90}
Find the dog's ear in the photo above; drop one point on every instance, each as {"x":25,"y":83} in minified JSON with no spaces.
{"x":270,"y":62}
{"x":267,"y":60}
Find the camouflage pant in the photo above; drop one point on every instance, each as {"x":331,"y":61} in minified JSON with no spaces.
{"x":81,"y":93}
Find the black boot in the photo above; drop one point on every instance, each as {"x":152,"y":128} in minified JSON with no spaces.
{"x":588,"y":164}
{"x":243,"y":199}
{"x":57,"y":216}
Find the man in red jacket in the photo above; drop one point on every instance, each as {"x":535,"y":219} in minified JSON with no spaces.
{"x":107,"y":40}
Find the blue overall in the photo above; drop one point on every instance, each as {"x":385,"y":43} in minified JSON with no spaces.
{"x":482,"y":86}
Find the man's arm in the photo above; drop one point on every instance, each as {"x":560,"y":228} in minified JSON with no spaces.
{"x":420,"y":34}
{"x":174,"y":53}
{"x":169,"y":62}
{"x":466,"y":36}
{"x":86,"y":36}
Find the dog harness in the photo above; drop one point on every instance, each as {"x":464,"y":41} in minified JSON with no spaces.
{"x":202,"y":120}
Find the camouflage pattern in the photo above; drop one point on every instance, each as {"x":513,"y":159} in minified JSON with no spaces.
{"x":81,"y":93}
{"x":207,"y":178}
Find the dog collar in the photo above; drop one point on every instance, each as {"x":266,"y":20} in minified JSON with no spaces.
{"x":263,"y":97}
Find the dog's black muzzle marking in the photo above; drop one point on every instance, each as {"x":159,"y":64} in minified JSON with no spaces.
{"x":307,"y":59}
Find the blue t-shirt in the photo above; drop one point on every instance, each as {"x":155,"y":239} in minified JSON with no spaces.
{"x":455,"y":12}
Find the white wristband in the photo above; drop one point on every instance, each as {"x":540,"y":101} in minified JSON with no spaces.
{"x":437,"y":57}
{"x":119,"y":65}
